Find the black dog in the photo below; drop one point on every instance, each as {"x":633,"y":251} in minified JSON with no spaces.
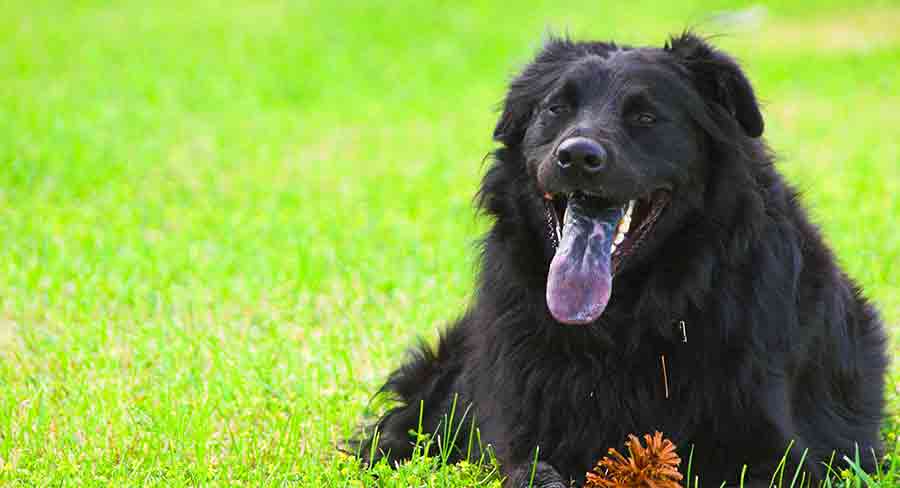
{"x":638,"y":219}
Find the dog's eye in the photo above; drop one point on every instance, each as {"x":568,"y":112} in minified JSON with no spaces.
{"x":557,"y":109}
{"x":643,"y":119}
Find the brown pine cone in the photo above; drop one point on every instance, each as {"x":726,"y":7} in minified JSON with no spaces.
{"x":654,"y":466}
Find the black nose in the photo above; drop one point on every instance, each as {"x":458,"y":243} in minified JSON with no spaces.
{"x":581,"y":152}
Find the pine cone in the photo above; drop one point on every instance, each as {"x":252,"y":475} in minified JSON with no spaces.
{"x":654,"y":466}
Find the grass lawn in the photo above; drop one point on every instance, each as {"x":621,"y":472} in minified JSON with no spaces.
{"x":222,"y":224}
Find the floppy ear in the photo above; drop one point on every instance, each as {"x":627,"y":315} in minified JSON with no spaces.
{"x":514,"y":118}
{"x":528,"y":89}
{"x":719,"y":78}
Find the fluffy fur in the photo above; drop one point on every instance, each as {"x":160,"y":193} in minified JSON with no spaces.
{"x":781,"y":345}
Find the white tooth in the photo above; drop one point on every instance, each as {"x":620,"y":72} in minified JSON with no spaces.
{"x":624,"y":224}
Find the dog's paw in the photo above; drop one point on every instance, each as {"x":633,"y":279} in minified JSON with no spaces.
{"x":545,"y":476}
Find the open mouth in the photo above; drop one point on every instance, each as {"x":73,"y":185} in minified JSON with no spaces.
{"x":592,"y":237}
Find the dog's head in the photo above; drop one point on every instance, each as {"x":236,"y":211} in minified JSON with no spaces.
{"x":617,"y":145}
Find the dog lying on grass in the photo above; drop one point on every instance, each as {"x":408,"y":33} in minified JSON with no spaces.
{"x":647,"y":269}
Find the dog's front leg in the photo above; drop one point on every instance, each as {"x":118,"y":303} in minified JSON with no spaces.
{"x":545,"y":476}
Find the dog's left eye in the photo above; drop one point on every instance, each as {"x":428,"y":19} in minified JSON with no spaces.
{"x":644,"y":119}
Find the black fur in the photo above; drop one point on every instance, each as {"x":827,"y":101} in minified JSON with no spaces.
{"x":781,"y":345}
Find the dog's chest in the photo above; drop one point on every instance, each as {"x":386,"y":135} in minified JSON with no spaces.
{"x":665,"y":386}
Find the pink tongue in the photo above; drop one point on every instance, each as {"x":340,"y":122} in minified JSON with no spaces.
{"x":580,"y":279}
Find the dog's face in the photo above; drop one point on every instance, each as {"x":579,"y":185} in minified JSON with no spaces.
{"x":613,"y":127}
{"x":610,"y":138}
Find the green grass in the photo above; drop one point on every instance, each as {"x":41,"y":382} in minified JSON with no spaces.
{"x":222,"y":224}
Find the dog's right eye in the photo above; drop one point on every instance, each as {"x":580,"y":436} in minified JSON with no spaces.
{"x":556,"y":109}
